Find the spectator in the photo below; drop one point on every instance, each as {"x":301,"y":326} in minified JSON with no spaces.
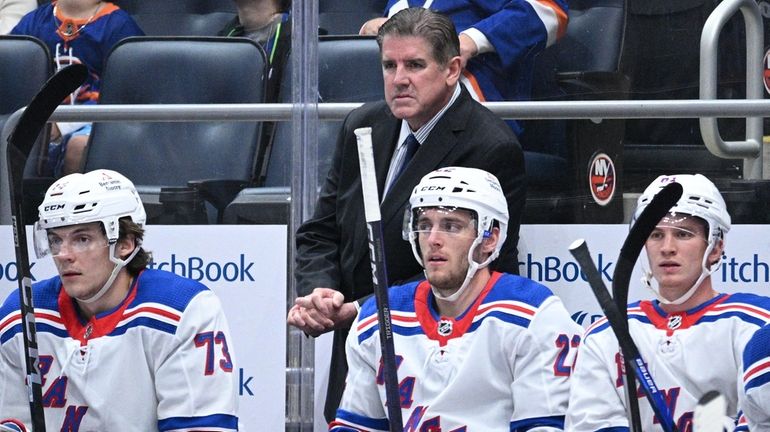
{"x":466,"y":329}
{"x":77,"y":31}
{"x":426,"y":106}
{"x":11,"y":12}
{"x":268,"y":23}
{"x":121,"y":347}
{"x":498,"y":41}
{"x":689,"y":325}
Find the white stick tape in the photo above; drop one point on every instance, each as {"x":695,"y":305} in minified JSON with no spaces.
{"x":368,"y":175}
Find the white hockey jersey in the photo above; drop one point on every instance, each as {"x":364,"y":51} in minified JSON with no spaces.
{"x":503,"y":365}
{"x":755,"y":394}
{"x":160,"y":361}
{"x":688,"y":354}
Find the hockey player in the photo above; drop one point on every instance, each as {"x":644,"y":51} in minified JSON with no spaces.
{"x":466,"y":332}
{"x":691,"y":336}
{"x":122,"y":347}
{"x":755,"y":394}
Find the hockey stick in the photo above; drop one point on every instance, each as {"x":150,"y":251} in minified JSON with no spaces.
{"x":20,"y":143}
{"x":619,"y":325}
{"x":379,"y":275}
{"x":710,"y":413}
{"x":621,"y":277}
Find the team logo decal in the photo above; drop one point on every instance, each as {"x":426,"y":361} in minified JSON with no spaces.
{"x":601,"y":178}
{"x":674,"y":322}
{"x":445,"y":327}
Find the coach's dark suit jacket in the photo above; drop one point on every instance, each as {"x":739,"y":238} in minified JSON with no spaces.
{"x":332,"y":246}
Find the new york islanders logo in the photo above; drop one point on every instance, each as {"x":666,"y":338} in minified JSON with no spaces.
{"x":601,"y":178}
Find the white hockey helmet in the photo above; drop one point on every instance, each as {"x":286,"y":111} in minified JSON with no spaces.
{"x":461,"y":188}
{"x":98,"y":196}
{"x":102,"y":196}
{"x":700,"y":198}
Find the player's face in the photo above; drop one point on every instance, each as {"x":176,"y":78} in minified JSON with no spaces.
{"x":81,"y":255}
{"x":445,"y":238}
{"x":675,"y":252}
{"x":416,"y":86}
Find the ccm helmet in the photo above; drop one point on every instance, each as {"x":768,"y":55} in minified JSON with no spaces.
{"x":700,"y":198}
{"x":102,"y":196}
{"x":461,"y":188}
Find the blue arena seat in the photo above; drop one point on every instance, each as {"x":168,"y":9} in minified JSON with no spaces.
{"x":25,"y":65}
{"x":217,"y":159}
{"x":180,"y":17}
{"x":337,"y":82}
{"x":584,"y":65}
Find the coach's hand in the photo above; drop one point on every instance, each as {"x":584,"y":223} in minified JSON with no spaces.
{"x":321,"y":311}
{"x":371,"y":27}
{"x":468,"y":49}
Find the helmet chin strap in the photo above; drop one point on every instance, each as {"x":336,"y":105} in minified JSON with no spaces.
{"x":705,"y":272}
{"x":119,"y":264}
{"x":473,"y":267}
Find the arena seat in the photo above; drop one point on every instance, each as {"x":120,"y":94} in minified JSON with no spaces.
{"x":584,"y":65}
{"x":181,"y":164}
{"x":345,"y":17}
{"x":25,"y":65}
{"x":180,"y":17}
{"x":661,"y":57}
{"x":337,"y":82}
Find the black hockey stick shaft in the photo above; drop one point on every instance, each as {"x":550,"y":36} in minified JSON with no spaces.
{"x":621,"y":277}
{"x":619,"y":326}
{"x":379,"y":276}
{"x":660,"y":204}
{"x":20,"y":144}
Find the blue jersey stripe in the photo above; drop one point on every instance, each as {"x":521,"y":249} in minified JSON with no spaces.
{"x":730,"y":314}
{"x":145,"y":322}
{"x":556,"y":422}
{"x":502,"y":316}
{"x":758,"y":381}
{"x":371,"y":423}
{"x":40,"y":327}
{"x":222,"y":421}
{"x":599,"y":328}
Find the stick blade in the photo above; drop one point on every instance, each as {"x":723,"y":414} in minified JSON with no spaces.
{"x":54,"y":91}
{"x":660,"y":204}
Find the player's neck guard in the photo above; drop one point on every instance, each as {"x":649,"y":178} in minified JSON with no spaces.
{"x":119,"y":264}
{"x":473,"y":267}
{"x":650,"y":283}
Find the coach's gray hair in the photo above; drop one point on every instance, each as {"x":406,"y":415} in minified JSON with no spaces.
{"x":436,"y":28}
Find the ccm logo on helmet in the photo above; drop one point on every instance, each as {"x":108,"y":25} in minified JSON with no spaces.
{"x":429,"y":188}
{"x":53,"y":207}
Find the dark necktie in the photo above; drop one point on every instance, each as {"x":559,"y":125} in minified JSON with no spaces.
{"x":411,"y":145}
